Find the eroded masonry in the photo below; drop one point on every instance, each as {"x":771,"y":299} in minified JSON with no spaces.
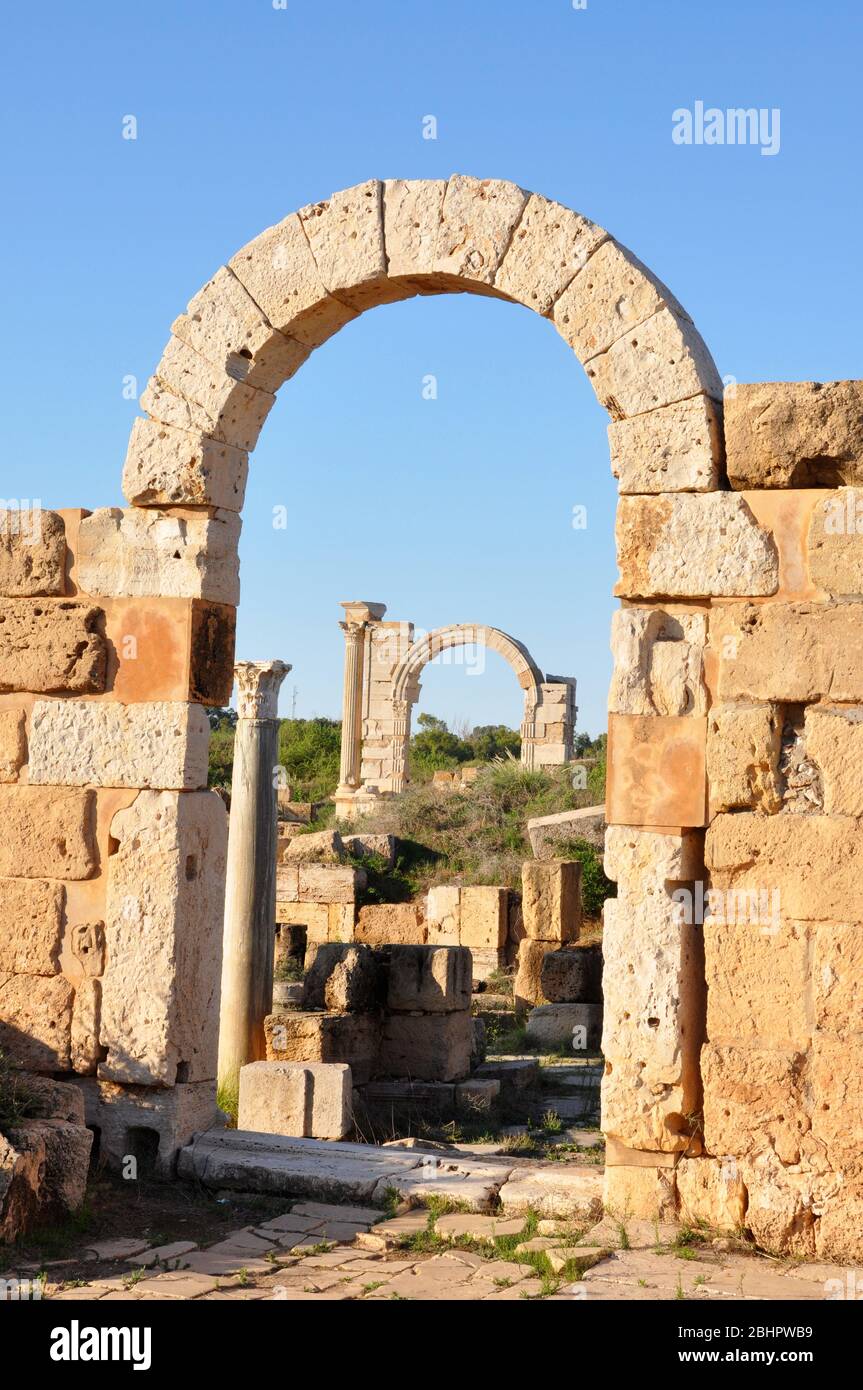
{"x":735,"y":720}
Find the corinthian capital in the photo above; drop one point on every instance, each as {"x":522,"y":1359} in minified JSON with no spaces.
{"x":258,"y":684}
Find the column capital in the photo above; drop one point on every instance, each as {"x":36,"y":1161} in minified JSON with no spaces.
{"x":258,"y":684}
{"x":362,"y":612}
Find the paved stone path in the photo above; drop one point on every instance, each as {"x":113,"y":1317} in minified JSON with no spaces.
{"x":335,"y":1252}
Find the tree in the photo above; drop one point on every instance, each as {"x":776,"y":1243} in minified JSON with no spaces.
{"x":494,"y":741}
{"x":435,"y":748}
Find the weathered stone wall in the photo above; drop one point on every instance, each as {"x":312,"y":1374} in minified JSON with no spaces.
{"x":734,"y":707}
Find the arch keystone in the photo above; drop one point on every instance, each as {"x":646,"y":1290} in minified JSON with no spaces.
{"x":479,"y":217}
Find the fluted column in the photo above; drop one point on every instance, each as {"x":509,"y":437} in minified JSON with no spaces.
{"x":349,"y":772}
{"x":250,"y":890}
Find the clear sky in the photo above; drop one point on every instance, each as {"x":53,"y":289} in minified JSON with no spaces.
{"x":456,"y":509}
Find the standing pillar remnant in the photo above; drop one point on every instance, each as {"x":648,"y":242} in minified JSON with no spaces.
{"x":358,"y":617}
{"x":250,"y":890}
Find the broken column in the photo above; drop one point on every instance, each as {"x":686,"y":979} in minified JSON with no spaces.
{"x":250,"y":894}
{"x":357,"y":618}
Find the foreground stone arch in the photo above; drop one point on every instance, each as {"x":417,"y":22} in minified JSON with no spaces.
{"x":733,"y":1060}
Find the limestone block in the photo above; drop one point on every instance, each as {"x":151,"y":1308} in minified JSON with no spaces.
{"x":687,"y":545}
{"x":142,"y":552}
{"x":479,"y":216}
{"x":528,"y":977}
{"x":161,"y":745}
{"x":48,"y":832}
{"x":711,"y":1193}
{"x":551,"y":899}
{"x":128,"y":1117}
{"x":13,"y":744}
{"x":325,"y":1037}
{"x":31,"y":923}
{"x":640,"y":861}
{"x":794,"y":434}
{"x":835,"y":543}
{"x":614,"y":294}
{"x":32,"y":553}
{"x":372,"y":847}
{"x":743,"y":747}
{"x":428,"y":1047}
{"x":315,"y":917}
{"x":86,"y":941}
{"x":550,"y":246}
{"x":85,"y":1047}
{"x":656,"y":770}
{"x":324,"y":883}
{"x":782,"y":1205}
{"x":412,"y":214}
{"x":658,"y":662}
{"x":51,"y":645}
{"x":837,"y":976}
{"x":757,"y":981}
{"x":484,"y":918}
{"x":754,"y":1101}
{"x":346,"y":236}
{"x":837,"y":1089}
{"x":166,"y":466}
{"x":279,"y":271}
{"x":662,"y":361}
{"x":559,"y":1191}
{"x":343,"y":978}
{"x":572,"y":975}
{"x":813,"y":863}
{"x":224,"y":324}
{"x":435,"y":979}
{"x":795,"y":652}
{"x":308,"y":1099}
{"x":36,"y":1021}
{"x":577,"y":1027}
{"x":165,"y":902}
{"x":321,"y":847}
{"x":443,"y":915}
{"x":287,"y":881}
{"x":678,"y":448}
{"x":66,"y":1165}
{"x":641,"y":1194}
{"x":391,"y":924}
{"x":485,"y":963}
{"x":191,"y":393}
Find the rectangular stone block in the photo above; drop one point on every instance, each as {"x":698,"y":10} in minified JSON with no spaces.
{"x":577,"y":1027}
{"x":287,"y":883}
{"x":528,"y":977}
{"x":31,"y":924}
{"x":36,"y":1021}
{"x":837,"y":977}
{"x":551,"y":899}
{"x":13,"y":744}
{"x":429,"y":1047}
{"x":487,"y":963}
{"x":170,"y":649}
{"x":658,"y":662}
{"x":836,"y":1079}
{"x":323,"y":883}
{"x":814,"y":863}
{"x":346,"y":236}
{"x":794,"y":434}
{"x":164,"y":918}
{"x":129,"y":1117}
{"x":754,"y":1101}
{"x":641,"y":860}
{"x":308,"y":1099}
{"x":656,"y":770}
{"x":792,"y":652}
{"x":32,"y":553}
{"x":315,"y":917}
{"x":139,"y":552}
{"x":550,"y":247}
{"x":325,"y":1037}
{"x":476,"y":228}
{"x":682,"y":545}
{"x":484,"y":915}
{"x":85,"y":1041}
{"x":343,"y":978}
{"x":279,"y":271}
{"x":833,"y":740}
{"x":391,"y":924}
{"x":743,"y":747}
{"x":443,"y":915}
{"x":711,"y":1193}
{"x":48,"y":832}
{"x":662,"y":361}
{"x":833,"y":543}
{"x":412,"y":214}
{"x":49,"y":645}
{"x":638,"y":1193}
{"x":435,"y":979}
{"x":573,"y":975}
{"x":678,"y":448}
{"x":168,"y":467}
{"x":757,"y":981}
{"x":190,"y":393}
{"x":161,"y":745}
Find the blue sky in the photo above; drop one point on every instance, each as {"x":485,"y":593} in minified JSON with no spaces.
{"x":457,"y":509}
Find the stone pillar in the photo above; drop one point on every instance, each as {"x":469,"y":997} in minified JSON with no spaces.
{"x":359,"y":616}
{"x":250,"y":891}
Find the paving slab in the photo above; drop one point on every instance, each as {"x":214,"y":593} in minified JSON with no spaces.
{"x":558,"y":1190}
{"x":166,"y":1255}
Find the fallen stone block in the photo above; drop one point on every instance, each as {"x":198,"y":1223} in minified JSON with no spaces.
{"x":572,"y":975}
{"x":372,"y":847}
{"x":307,"y":1099}
{"x":577,"y":1027}
{"x":325,"y":1037}
{"x":433,"y":979}
{"x":343,"y":978}
{"x":430,"y":1047}
{"x":321,"y":847}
